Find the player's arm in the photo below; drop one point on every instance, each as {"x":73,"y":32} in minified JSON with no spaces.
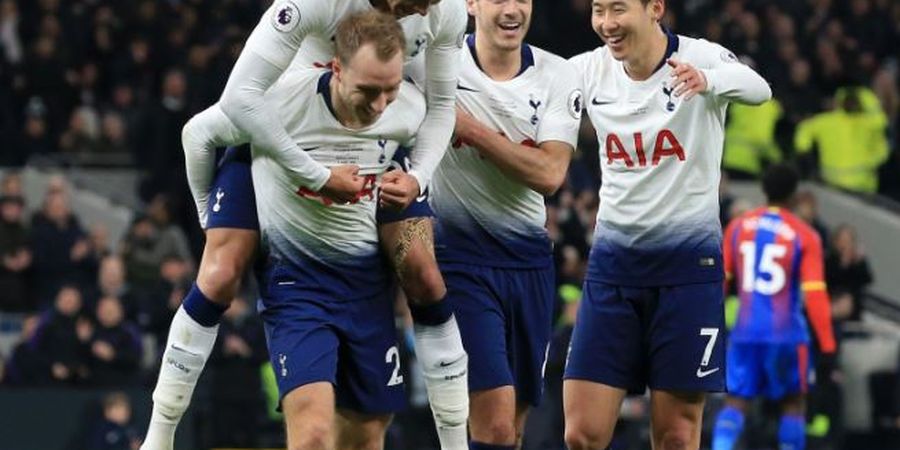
{"x":268,"y":52}
{"x":441,"y":73}
{"x":543,"y":168}
{"x":720,"y":75}
{"x":812,"y":279}
{"x":200,"y":137}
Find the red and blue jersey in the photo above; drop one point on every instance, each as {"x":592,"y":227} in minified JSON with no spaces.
{"x":775,"y":261}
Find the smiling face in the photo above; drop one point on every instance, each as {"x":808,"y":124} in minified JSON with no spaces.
{"x":503,"y":23}
{"x":368,"y":66}
{"x":626,"y":25}
{"x":366,"y":85}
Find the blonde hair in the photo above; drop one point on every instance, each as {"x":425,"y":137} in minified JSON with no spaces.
{"x":369,"y":27}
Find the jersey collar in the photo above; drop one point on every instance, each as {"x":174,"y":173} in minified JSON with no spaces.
{"x":324,"y":89}
{"x":671,"y":47}
{"x":527,"y":55}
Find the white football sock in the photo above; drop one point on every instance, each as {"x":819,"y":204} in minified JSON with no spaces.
{"x":445,"y":365}
{"x":187,"y":349}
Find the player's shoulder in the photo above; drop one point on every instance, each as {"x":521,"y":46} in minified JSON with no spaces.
{"x":804,"y":231}
{"x":702,"y":52}
{"x":550,"y":65}
{"x":593,"y":57}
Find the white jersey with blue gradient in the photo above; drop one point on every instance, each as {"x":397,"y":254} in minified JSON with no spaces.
{"x":660,"y":157}
{"x":320,"y":246}
{"x":483,"y":215}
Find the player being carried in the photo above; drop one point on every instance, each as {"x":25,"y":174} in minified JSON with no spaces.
{"x":303,"y":31}
{"x":516,"y":129}
{"x":324,"y":289}
{"x":775,"y":261}
{"x":652,"y":310}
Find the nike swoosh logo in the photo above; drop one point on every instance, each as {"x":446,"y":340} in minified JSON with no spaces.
{"x":309,"y":149}
{"x":704,"y":373}
{"x":448,"y":364}
{"x":464,"y":88}
{"x":596,"y":102}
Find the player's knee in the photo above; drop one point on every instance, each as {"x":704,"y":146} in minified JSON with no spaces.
{"x":316,"y":435}
{"x":220,"y":278}
{"x":424,"y":284}
{"x":678,"y":439}
{"x":498,"y":432}
{"x":583,"y":438}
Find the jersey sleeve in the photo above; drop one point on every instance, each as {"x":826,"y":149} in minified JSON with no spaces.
{"x":282,"y":28}
{"x":200,"y":137}
{"x":728,"y":78}
{"x":812,"y":283}
{"x":441,"y":73}
{"x":579,"y":64}
{"x":562,"y":117}
{"x":269,"y":50}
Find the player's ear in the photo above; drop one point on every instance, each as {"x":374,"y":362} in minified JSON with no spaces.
{"x":470,"y":7}
{"x":657,"y":9}
{"x":336,"y":68}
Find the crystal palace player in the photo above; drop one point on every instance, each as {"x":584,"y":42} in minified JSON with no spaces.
{"x":652,"y":311}
{"x":520,"y":110}
{"x":775,"y":261}
{"x":303,"y":32}
{"x":324,"y":290}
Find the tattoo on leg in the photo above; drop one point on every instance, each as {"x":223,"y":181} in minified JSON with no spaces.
{"x":416,"y":229}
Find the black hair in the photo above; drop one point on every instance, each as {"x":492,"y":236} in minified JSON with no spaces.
{"x":779,"y":182}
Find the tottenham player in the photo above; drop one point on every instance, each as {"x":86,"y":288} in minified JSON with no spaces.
{"x":434,"y":32}
{"x":775,"y":261}
{"x":519,"y":110}
{"x":324,"y":290}
{"x":652,"y":310}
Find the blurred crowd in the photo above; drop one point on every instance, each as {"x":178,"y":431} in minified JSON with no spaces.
{"x":103,"y":83}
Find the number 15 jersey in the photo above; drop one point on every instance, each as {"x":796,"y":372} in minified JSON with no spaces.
{"x":775,"y":260}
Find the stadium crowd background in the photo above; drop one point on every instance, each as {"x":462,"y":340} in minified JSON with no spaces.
{"x":100,"y":83}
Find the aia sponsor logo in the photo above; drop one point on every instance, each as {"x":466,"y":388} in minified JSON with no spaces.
{"x":665,"y":145}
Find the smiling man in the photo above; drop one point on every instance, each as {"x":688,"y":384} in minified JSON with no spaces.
{"x":324,"y":289}
{"x":516,"y":129}
{"x":652,"y":310}
{"x":303,"y":32}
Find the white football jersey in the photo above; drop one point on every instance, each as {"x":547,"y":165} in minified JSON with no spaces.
{"x":483,"y":214}
{"x":312,"y":237}
{"x":658,"y":221}
{"x":312,"y":24}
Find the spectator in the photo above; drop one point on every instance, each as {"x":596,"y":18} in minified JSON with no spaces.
{"x":16,"y":256}
{"x":851,"y":141}
{"x":111,"y":282}
{"x":240,"y":351}
{"x":35,"y":138}
{"x":62,"y":252}
{"x":114,"y":430}
{"x":24,"y":367}
{"x":11,"y":185}
{"x":158,"y":307}
{"x":115,"y":346}
{"x":81,"y":139}
{"x":750,"y":143}
{"x":847,"y":274}
{"x":807,"y":208}
{"x":60,"y":341}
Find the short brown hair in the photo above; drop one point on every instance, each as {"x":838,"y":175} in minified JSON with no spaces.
{"x":369,"y":27}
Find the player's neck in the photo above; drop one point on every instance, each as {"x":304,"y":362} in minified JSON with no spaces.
{"x":498,"y":64}
{"x":647,"y":56}
{"x":342,"y":112}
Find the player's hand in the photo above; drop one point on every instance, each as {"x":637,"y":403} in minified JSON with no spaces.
{"x":344,"y":184}
{"x":689,"y":81}
{"x":398,"y":190}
